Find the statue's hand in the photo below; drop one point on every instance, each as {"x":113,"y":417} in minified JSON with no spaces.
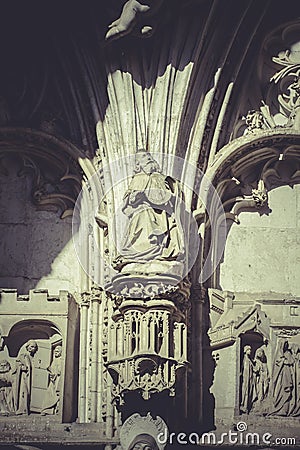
{"x":135,"y":197}
{"x":125,"y":23}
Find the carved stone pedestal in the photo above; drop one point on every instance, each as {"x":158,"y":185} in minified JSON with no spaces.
{"x":147,"y":346}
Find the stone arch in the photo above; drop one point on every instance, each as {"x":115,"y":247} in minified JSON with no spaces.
{"x":25,"y":330}
{"x":242,"y":174}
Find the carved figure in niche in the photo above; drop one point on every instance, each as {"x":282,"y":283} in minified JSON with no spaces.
{"x":52,"y":396}
{"x":6,"y":390}
{"x":132,"y":11}
{"x":152,"y":206}
{"x":248,"y":393}
{"x":23,"y":375}
{"x":283,"y":379}
{"x":262,"y":374}
{"x":143,"y":442}
{"x":295,"y":403}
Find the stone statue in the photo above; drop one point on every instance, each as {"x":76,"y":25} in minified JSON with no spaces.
{"x":131,"y":14}
{"x":52,"y":396}
{"x":152,"y":205}
{"x":262,"y":374}
{"x":23,"y":376}
{"x":7,"y":406}
{"x":283,"y":379}
{"x":248,"y":392}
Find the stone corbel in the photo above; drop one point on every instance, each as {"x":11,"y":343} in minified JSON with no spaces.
{"x":254,"y":202}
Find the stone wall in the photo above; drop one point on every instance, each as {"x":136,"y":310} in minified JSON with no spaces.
{"x":260,"y":243}
{"x":37,"y":244}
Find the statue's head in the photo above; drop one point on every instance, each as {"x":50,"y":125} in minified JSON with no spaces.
{"x":143,"y":442}
{"x":144,"y":162}
{"x":57,"y":351}
{"x":247,"y":350}
{"x":260,"y":354}
{"x":4,"y":366}
{"x":31,"y":347}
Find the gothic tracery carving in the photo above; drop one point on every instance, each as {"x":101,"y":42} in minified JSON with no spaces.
{"x":272,"y":392}
{"x":287,"y":82}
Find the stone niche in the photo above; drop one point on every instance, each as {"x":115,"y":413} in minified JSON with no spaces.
{"x":260,"y":336}
{"x":38,"y":354}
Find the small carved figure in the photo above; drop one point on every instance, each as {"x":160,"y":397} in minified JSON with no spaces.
{"x":6,"y":391}
{"x":152,"y":205}
{"x":262,"y":374}
{"x":23,"y":371}
{"x":132,"y":11}
{"x":52,"y":397}
{"x":254,"y":120}
{"x":259,"y":120}
{"x":283,"y":380}
{"x":248,"y":393}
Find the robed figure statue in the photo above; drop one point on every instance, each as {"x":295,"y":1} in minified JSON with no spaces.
{"x":153,"y":206}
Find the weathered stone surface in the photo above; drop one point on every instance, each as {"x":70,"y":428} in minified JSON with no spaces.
{"x":261,"y":242}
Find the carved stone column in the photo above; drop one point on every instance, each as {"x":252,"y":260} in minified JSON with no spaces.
{"x":96,"y":378}
{"x":83,"y":368}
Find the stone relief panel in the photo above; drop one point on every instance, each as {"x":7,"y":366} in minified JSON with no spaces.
{"x":285,"y":379}
{"x":52,"y":398}
{"x":255,"y":380}
{"x":7,"y":405}
{"x":30,"y":382}
{"x":271,"y":387}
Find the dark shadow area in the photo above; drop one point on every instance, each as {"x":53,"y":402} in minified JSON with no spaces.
{"x":55,"y":61}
